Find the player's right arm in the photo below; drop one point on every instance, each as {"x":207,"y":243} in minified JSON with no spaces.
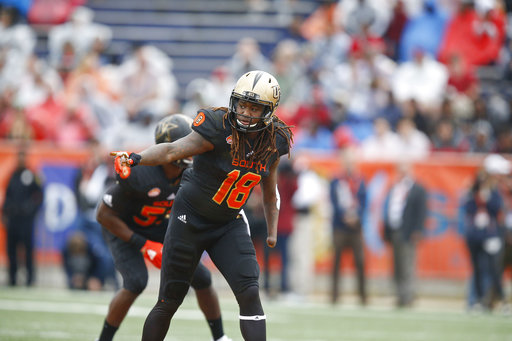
{"x":109,"y":219}
{"x":109,"y":213}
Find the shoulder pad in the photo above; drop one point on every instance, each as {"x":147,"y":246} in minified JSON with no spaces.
{"x":141,"y":179}
{"x":209,"y":122}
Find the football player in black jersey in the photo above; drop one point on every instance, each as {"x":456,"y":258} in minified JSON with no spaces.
{"x":134,"y":214}
{"x":234,"y":150}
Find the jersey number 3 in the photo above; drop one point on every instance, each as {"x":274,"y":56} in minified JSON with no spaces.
{"x":236,"y":190}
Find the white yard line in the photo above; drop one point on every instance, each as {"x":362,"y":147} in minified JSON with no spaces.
{"x":94,"y":309}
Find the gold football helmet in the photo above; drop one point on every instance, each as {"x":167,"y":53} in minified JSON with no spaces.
{"x":258,"y":87}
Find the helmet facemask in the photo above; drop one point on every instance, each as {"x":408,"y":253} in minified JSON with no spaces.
{"x":256,"y":123}
{"x":256,"y":87}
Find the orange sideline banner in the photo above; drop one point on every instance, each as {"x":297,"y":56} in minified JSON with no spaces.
{"x":442,"y":254}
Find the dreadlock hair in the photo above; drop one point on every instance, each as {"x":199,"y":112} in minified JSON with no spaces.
{"x":265,"y":144}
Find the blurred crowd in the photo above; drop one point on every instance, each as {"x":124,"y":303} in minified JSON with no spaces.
{"x":387,"y":80}
{"x":73,"y":97}
{"x":392,"y":78}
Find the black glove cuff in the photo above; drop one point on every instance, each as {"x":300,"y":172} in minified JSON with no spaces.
{"x":137,"y":240}
{"x":135,"y":158}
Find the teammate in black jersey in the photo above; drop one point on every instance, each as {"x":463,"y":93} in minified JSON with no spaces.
{"x":134,"y":213}
{"x":234,"y":150}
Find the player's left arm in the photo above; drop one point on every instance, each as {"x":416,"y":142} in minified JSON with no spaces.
{"x":270,"y":203}
{"x":164,"y":153}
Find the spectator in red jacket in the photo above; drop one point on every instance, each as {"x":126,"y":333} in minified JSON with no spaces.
{"x":476,"y":35}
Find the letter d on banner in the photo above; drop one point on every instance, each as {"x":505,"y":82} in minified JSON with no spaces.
{"x":60,"y":207}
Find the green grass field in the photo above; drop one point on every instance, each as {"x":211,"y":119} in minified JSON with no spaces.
{"x":59,"y":314}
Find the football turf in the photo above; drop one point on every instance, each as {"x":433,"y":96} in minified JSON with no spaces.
{"x":59,"y":314}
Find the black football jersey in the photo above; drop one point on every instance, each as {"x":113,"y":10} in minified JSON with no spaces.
{"x":144,"y":200}
{"x":217,"y":186}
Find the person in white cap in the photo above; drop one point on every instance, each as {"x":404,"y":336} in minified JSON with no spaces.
{"x":483,"y":208}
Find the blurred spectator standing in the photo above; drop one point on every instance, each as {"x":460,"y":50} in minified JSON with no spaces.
{"x":405,"y":213}
{"x":93,"y":89}
{"x":94,"y":177}
{"x":424,"y":30}
{"x":38,"y":83}
{"x":505,"y":186}
{"x":196,"y":97}
{"x":68,"y":43}
{"x":462,"y":80}
{"x":394,"y":31}
{"x":320,"y":22}
{"x":149,"y":92}
{"x":13,"y":122}
{"x":208,"y":92}
{"x":314,"y":109}
{"x":291,"y":75}
{"x":308,"y":195}
{"x":330,"y":47}
{"x":220,"y":86}
{"x":247,"y":57}
{"x":139,"y":86}
{"x":258,"y":229}
{"x":423,"y":79}
{"x":348,"y":199}
{"x":356,"y":14}
{"x":476,"y":32}
{"x":17,"y":42}
{"x":287,"y":185}
{"x":360,"y":83}
{"x":23,"y":199}
{"x":483,"y":210}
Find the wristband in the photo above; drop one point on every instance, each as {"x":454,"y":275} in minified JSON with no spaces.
{"x":135,"y":159}
{"x":137,"y":240}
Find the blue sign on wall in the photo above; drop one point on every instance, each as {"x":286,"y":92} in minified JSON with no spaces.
{"x":59,"y":214}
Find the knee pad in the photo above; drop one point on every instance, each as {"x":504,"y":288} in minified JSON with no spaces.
{"x":249,"y":302}
{"x":174,"y":291}
{"x":136,"y":282}
{"x":202,"y":278}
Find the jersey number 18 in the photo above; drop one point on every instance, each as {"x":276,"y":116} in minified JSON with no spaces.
{"x":236,"y":189}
